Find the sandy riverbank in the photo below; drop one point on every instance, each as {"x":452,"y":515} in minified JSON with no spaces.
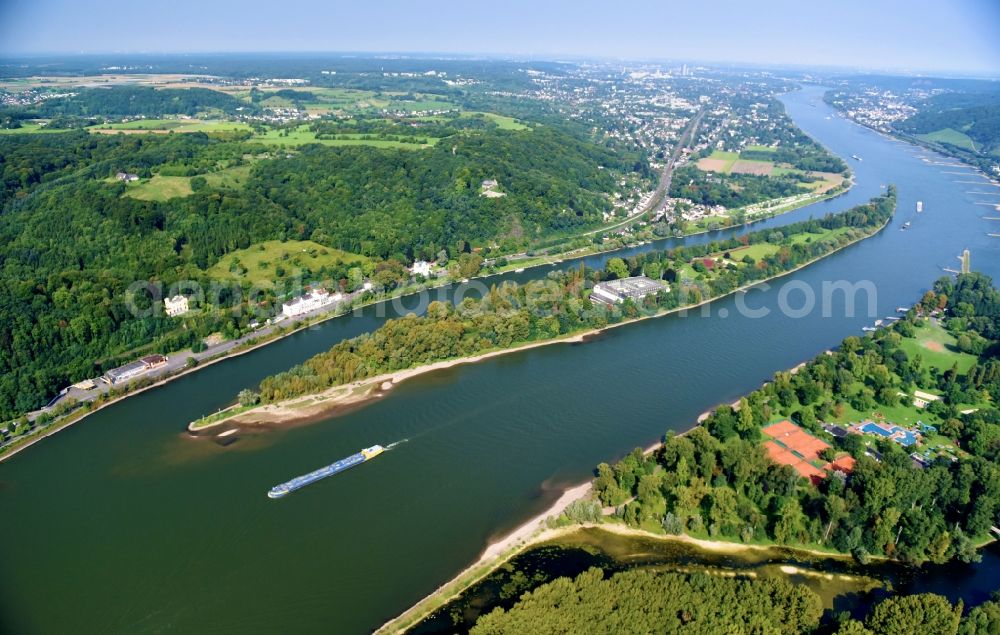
{"x":331,"y":400}
{"x":350,"y":400}
{"x":341,"y":398}
{"x":535,"y":531}
{"x":496,"y":553}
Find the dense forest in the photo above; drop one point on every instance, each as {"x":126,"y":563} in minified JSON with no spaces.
{"x":717,"y":481}
{"x":512,"y":314}
{"x":976,"y":115}
{"x":73,"y":241}
{"x":137,"y":101}
{"x":644,"y":601}
{"x":404,"y":203}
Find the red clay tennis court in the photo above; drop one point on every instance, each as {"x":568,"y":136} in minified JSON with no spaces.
{"x":796,"y":440}
{"x":793,"y":446}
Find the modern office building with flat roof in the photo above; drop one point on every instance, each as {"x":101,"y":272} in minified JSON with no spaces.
{"x":635,"y":288}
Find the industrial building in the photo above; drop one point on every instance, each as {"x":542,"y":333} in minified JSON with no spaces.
{"x":133,"y":369}
{"x":617,"y":291}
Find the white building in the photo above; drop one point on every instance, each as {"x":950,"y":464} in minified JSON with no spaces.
{"x":617,"y":291}
{"x":175,"y":306}
{"x":308,"y":302}
{"x":421,"y":268}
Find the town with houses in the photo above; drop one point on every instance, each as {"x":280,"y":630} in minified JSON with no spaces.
{"x":675,"y":117}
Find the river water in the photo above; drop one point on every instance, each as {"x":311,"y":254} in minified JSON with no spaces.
{"x":123,"y":523}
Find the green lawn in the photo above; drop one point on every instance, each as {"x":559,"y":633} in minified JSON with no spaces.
{"x":760,"y":149}
{"x":302,"y":136}
{"x":702,"y":225}
{"x":176,"y":125}
{"x":728,"y":156}
{"x":905,"y":414}
{"x":757,"y":251}
{"x":950,"y":136}
{"x":420,"y":104}
{"x":719,"y":161}
{"x":503,"y":122}
{"x":32,"y":128}
{"x":807,"y":238}
{"x":159,"y":188}
{"x":258,"y":264}
{"x":937,"y":347}
{"x":230,"y":178}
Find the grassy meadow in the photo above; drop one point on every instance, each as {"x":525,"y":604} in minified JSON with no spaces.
{"x":159,"y":188}
{"x":937,"y":347}
{"x":263,"y":263}
{"x":951,"y":137}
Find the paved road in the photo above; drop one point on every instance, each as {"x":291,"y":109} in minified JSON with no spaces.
{"x":177,"y":361}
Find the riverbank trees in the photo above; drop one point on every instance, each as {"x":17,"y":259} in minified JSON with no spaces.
{"x":560,"y":305}
{"x":716,"y":480}
{"x":74,"y":238}
{"x":648,"y":601}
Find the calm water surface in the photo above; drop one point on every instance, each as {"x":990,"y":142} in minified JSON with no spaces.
{"x":123,"y":523}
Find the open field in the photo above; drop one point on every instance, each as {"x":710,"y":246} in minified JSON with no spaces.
{"x":808,"y":238}
{"x":719,"y":161}
{"x":159,"y":188}
{"x":950,"y":136}
{"x":937,"y":347}
{"x":170,"y":125}
{"x":32,"y":128}
{"x":503,"y":122}
{"x":758,"y":251}
{"x":110,"y":79}
{"x":258,"y":264}
{"x":232,"y":178}
{"x":905,"y":414}
{"x":302,"y":136}
{"x":730,"y":163}
{"x":829,"y":180}
{"x":757,"y":168}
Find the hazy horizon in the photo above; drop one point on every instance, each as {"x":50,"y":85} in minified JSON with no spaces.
{"x":915,"y":37}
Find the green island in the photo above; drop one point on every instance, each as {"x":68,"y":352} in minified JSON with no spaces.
{"x":881,"y":451}
{"x":252,"y":191}
{"x":562,"y":306}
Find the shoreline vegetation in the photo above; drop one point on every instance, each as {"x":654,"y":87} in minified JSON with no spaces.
{"x":316,"y":387}
{"x":542,"y":528}
{"x":605,"y":504}
{"x":537,"y":530}
{"x":80,"y":413}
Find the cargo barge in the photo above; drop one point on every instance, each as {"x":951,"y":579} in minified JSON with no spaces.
{"x":301,"y":481}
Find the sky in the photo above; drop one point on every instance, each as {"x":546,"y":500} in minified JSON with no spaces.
{"x":916,"y":35}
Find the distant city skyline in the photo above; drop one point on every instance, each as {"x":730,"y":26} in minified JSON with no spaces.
{"x":921,"y":35}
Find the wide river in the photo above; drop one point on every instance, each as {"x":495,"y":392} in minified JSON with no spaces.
{"x":123,"y":523}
